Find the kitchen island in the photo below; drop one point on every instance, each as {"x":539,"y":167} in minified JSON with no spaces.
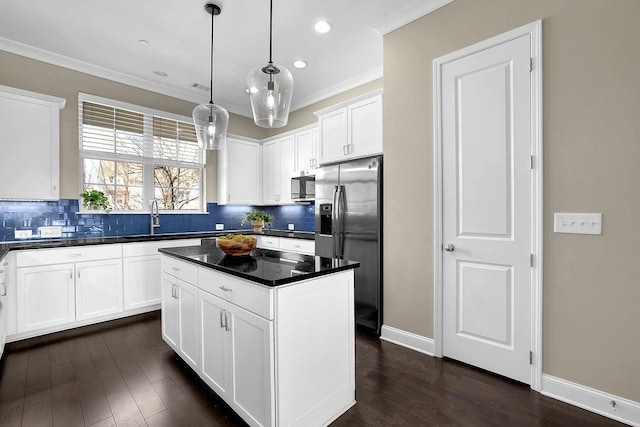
{"x":273,"y":333}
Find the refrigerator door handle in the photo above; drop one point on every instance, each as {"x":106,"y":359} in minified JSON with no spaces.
{"x":334,"y":221}
{"x":340,"y":226}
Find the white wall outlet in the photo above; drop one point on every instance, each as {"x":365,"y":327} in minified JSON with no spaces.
{"x":52,"y":231}
{"x":219,"y":227}
{"x":577,"y":223}
{"x":291,"y":227}
{"x":23,"y":234}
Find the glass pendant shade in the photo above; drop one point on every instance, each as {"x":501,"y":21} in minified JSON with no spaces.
{"x":270,"y":90}
{"x":211,"y":122}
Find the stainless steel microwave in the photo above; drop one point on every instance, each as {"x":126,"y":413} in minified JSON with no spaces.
{"x":303,"y":187}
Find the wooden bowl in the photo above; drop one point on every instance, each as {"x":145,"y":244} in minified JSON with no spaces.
{"x":236,"y":245}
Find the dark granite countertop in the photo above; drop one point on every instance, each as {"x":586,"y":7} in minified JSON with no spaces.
{"x":61,"y":243}
{"x":263,"y":266}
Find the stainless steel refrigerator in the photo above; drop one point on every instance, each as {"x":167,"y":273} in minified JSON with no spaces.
{"x":348,"y":221}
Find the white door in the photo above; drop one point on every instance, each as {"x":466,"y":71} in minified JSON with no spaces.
{"x":170,"y":311}
{"x":487,"y":208}
{"x":189,"y":335}
{"x":252,"y":366}
{"x":333,"y":136}
{"x":98,"y":288}
{"x":215,"y":353}
{"x":287,"y":166}
{"x":45,"y":296}
{"x":141,"y":281}
{"x":270,"y":173}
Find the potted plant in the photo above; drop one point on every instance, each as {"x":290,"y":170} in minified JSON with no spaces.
{"x":258,"y":219}
{"x":95,"y":200}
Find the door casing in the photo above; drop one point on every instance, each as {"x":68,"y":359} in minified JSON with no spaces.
{"x":534,"y":29}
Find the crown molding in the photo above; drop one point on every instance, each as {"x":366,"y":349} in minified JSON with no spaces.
{"x":408,"y":13}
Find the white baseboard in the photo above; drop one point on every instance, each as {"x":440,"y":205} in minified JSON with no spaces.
{"x":625,"y":410}
{"x":407,"y":339}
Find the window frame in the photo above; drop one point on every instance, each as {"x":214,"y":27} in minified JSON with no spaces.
{"x":148,"y":161}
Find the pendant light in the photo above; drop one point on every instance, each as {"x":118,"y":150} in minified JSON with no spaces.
{"x":270,"y":89}
{"x":211,"y":120}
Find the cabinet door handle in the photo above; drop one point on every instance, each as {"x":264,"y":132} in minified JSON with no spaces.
{"x":224,"y":288}
{"x":229,"y":197}
{"x":71,"y":273}
{"x":344,"y":150}
{"x":177,"y":292}
{"x":223,"y":318}
{"x":227,"y":321}
{"x":78,"y":273}
{"x":3,"y":289}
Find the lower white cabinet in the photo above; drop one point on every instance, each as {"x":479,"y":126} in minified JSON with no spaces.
{"x":98,"y":288}
{"x":141,"y":281}
{"x":45,"y":297}
{"x":180,"y":318}
{"x":237,"y":357}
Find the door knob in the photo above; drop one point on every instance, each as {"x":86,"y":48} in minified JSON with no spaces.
{"x":449,"y":247}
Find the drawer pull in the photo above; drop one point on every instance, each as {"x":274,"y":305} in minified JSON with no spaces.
{"x":270,"y":242}
{"x":74,"y":255}
{"x":224,"y":288}
{"x":297,"y":246}
{"x":175,"y":268}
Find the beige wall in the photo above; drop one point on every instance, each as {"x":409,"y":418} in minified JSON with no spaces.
{"x":23,"y":73}
{"x":591,"y":155}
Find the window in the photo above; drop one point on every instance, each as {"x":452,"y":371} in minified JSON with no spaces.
{"x":134,"y":155}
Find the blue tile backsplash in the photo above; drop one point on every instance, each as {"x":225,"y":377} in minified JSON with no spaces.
{"x":19,"y":215}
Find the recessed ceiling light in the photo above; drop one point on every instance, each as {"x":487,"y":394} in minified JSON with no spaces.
{"x":143,"y":42}
{"x":160,"y":73}
{"x":299,"y":64}
{"x":322,"y":27}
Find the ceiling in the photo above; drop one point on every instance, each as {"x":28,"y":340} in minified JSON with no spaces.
{"x":103,"y":39}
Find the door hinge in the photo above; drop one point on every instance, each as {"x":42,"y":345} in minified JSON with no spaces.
{"x":530,"y":64}
{"x":531,"y":358}
{"x":532,"y":260}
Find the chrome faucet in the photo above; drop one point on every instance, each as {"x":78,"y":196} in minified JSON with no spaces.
{"x":155,"y":216}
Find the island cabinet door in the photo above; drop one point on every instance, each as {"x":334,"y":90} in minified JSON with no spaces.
{"x":170,"y":311}
{"x":252,"y":359}
{"x":189,"y":336}
{"x":215,"y":339}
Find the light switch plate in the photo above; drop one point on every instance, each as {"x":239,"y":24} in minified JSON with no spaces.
{"x":219,"y":227}
{"x":49,"y":232}
{"x":291,"y":226}
{"x":23,"y":234}
{"x":577,"y":223}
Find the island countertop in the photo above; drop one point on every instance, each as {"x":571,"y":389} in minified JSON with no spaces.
{"x":263,"y":266}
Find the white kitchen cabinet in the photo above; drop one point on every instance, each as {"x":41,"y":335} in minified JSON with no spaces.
{"x":180,"y":322}
{"x":352,"y":129}
{"x":98,"y":288}
{"x":306,"y":143}
{"x":270,"y":173}
{"x":141,"y":268}
{"x":243,"y":326}
{"x":45,"y":296}
{"x":29,"y":131}
{"x":278,"y":164}
{"x":239,"y":172}
{"x":67,"y":285}
{"x":4,"y":279}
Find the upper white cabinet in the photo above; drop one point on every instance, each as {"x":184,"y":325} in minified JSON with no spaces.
{"x":29,"y":131}
{"x":239,"y":172}
{"x":351,"y":129}
{"x":278,"y":158}
{"x":305,"y":150}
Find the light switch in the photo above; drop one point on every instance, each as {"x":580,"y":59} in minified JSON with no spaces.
{"x":577,"y":223}
{"x":291,"y":227}
{"x":51,"y":232}
{"x":219,"y":227}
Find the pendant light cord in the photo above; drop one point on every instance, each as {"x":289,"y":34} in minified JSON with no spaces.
{"x":211,"y":70}
{"x":270,"y":30}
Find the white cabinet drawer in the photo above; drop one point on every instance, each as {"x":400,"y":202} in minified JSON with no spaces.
{"x":180,"y":269}
{"x":151,"y":248}
{"x":268,"y":242}
{"x":250,"y":296}
{"x":298,"y":245}
{"x":64,"y":255}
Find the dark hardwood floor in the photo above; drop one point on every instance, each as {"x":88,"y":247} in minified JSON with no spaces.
{"x":122,"y":373}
